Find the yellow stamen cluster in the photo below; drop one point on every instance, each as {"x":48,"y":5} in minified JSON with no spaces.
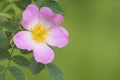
{"x":39,"y":33}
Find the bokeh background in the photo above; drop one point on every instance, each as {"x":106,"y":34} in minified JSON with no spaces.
{"x":93,"y":52}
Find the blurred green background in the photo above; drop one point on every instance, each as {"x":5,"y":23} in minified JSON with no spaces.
{"x":93,"y":52}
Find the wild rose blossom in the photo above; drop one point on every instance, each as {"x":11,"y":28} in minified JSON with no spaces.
{"x":41,"y":29}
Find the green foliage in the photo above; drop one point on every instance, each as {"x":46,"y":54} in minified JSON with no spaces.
{"x":4,"y":54}
{"x":54,"y":6}
{"x":36,"y":67}
{"x":3,"y":40}
{"x":25,"y":52}
{"x":22,"y":4}
{"x":54,"y":72}
{"x":51,"y":4}
{"x":4,"y":17}
{"x":21,"y":61}
{"x":16,"y":73}
{"x":39,"y":3}
{"x":2,"y":68}
{"x":3,"y":4}
{"x":3,"y":76}
{"x":9,"y":35}
{"x":7,"y":25}
{"x":14,"y":7}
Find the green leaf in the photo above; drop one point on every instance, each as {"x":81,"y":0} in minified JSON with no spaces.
{"x":4,"y":54}
{"x":54,"y":6}
{"x":2,"y":68}
{"x":26,"y":1}
{"x":36,"y":67}
{"x":9,"y":35}
{"x":3,"y":4}
{"x":3,"y":40}
{"x":54,"y":72}
{"x":4,"y":17}
{"x":20,"y":60}
{"x":22,"y":4}
{"x":25,"y":52}
{"x":11,"y":11}
{"x":10,"y":26}
{"x":39,"y":3}
{"x":16,"y":73}
{"x":3,"y":77}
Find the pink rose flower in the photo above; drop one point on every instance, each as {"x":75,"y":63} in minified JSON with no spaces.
{"x":42,"y":29}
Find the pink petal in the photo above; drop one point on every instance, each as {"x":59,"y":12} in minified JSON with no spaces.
{"x":58,"y":37}
{"x":46,"y":12}
{"x":43,"y":54}
{"x":58,"y":19}
{"x":30,"y":16}
{"x":48,"y":17}
{"x":23,"y":40}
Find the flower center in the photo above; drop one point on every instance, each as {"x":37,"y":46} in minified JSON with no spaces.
{"x":39,"y":33}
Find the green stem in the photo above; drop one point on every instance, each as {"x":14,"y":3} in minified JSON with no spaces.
{"x":11,"y":52}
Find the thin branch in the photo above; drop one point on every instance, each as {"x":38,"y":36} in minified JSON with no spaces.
{"x":11,"y":52}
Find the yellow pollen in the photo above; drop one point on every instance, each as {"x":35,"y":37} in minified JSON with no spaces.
{"x":39,"y":33}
